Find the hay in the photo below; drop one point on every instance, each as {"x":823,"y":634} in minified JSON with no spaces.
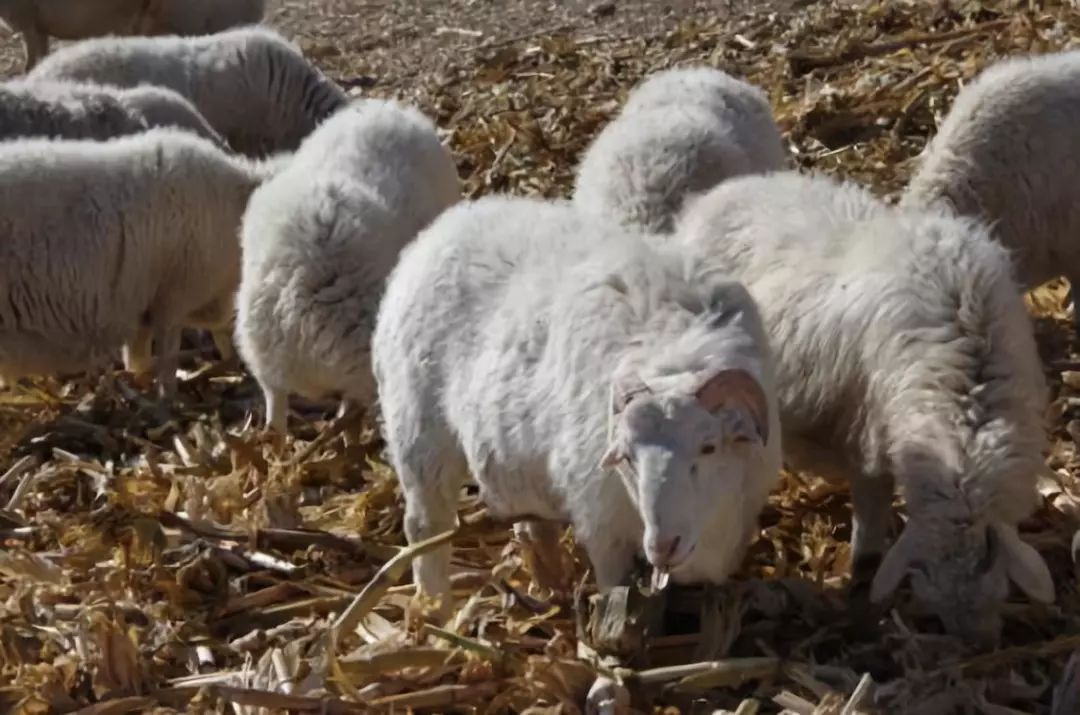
{"x":165,"y":557}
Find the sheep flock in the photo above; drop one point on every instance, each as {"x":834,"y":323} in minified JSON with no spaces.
{"x":729,"y":365}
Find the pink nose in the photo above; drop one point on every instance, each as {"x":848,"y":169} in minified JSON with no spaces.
{"x":661,"y":552}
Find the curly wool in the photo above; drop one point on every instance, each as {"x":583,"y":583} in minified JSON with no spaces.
{"x":500,"y":340}
{"x":109,"y":244}
{"x":319,"y":240}
{"x":904,"y":349}
{"x":254,"y":87}
{"x":681,"y":132}
{"x":71,"y":110}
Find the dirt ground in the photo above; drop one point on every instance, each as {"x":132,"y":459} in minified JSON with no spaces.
{"x":391,"y":41}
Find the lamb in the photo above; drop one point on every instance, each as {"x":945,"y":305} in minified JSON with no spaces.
{"x":37,"y":20}
{"x":253,"y":86}
{"x":681,"y":132}
{"x":1005,"y":154}
{"x":111,"y":244}
{"x":904,"y":351}
{"x":318,"y":242}
{"x":84,"y":111}
{"x":603,"y":382}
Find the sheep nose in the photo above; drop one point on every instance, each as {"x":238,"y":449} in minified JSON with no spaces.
{"x":661,"y":551}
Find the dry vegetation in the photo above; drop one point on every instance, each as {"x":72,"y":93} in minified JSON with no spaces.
{"x":166,"y":556}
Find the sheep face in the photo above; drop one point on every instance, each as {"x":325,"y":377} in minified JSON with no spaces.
{"x":961,"y":570}
{"x":681,"y":451}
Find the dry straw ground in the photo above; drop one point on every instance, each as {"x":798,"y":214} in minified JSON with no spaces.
{"x":165,"y":556}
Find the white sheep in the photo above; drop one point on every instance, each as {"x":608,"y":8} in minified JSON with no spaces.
{"x":681,"y":132}
{"x":1005,"y":154}
{"x":319,"y":240}
{"x":71,"y":110}
{"x":579,"y":375}
{"x":903,"y":351}
{"x":252,"y":85}
{"x":111,"y":244}
{"x":37,"y":20}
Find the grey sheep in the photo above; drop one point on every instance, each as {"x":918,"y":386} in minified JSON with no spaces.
{"x":253,"y":86}
{"x":68,"y":110}
{"x":37,"y":20}
{"x":580,"y":375}
{"x":319,"y":240}
{"x":904,"y":351}
{"x":681,"y":132}
{"x":116,"y":243}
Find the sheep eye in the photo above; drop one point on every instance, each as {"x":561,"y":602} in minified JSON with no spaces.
{"x":708,"y":449}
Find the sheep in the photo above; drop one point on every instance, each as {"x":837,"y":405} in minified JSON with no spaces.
{"x":37,"y":20}
{"x":1004,"y":154}
{"x":904,"y":351}
{"x":319,"y":240}
{"x":253,"y":86}
{"x":601,"y":382}
{"x":111,"y":244}
{"x":84,"y":111}
{"x":681,"y":132}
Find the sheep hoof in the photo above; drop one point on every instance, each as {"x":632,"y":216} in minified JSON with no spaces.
{"x":606,"y":697}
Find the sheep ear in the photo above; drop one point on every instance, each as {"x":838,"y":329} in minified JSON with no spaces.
{"x":1025,"y":566}
{"x":893,"y":568}
{"x":735,"y":388}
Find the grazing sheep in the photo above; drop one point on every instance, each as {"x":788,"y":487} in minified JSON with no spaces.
{"x":37,"y":20}
{"x":111,"y":244}
{"x":319,"y":240}
{"x":681,"y":132}
{"x":903,"y":351}
{"x":600,"y":382}
{"x":253,"y":86}
{"x":70,"y":110}
{"x":1005,"y":154}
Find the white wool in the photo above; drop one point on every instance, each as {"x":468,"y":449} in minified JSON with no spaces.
{"x":509,"y":333}
{"x":681,"y":132}
{"x":253,"y":86}
{"x":70,"y":110}
{"x":319,"y":240}
{"x":113,"y":243}
{"x":1005,"y":153}
{"x":903,"y":350}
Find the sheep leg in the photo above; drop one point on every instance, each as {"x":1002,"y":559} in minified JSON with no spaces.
{"x":541,"y":540}
{"x":430,"y":512}
{"x":223,"y":341}
{"x":168,"y":342}
{"x":277,"y":408}
{"x":872,"y":497}
{"x":137,"y":352}
{"x":431,"y":479}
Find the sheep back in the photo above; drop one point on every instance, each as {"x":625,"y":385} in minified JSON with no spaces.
{"x":320,"y":238}
{"x":102,"y":238}
{"x":253,"y":86}
{"x":1005,"y":153}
